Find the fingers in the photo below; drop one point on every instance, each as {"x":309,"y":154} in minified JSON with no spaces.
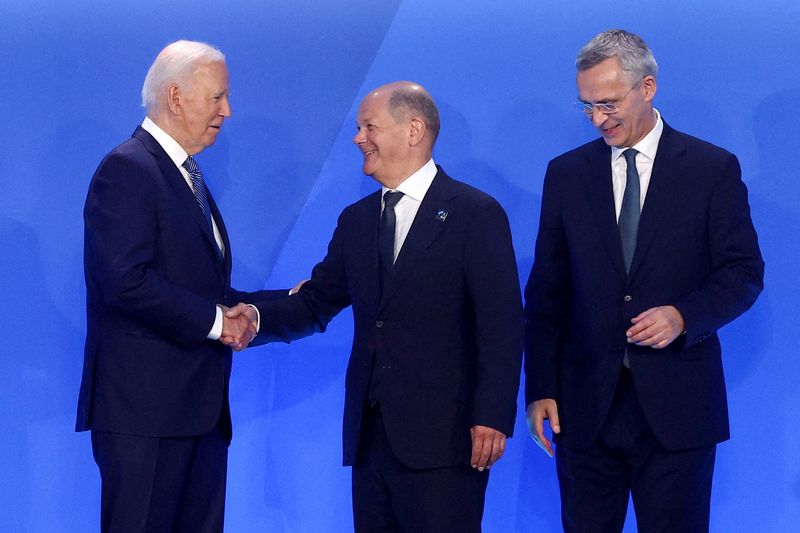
{"x":237,"y":329}
{"x":656,"y":327}
{"x":488,"y":445}
{"x":239,"y":309}
{"x":536,"y":414}
{"x":297,"y":287}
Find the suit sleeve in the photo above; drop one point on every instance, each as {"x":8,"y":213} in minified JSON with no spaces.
{"x":493,"y":285}
{"x":737,"y":268}
{"x":318,"y":301}
{"x":121,"y":224}
{"x":547,"y":296}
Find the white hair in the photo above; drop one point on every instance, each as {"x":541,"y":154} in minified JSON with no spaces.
{"x":175,"y":64}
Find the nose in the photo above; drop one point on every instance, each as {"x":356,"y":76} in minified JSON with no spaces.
{"x":598,"y":117}
{"x":225,"y":108}
{"x":360,"y":136}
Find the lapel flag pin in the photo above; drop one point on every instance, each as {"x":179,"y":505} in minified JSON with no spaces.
{"x":441,"y":215}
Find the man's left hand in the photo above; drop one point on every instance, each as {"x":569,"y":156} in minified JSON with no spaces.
{"x":488,"y":446}
{"x":657,"y":327}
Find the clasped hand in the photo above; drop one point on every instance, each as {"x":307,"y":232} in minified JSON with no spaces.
{"x":238,"y":326}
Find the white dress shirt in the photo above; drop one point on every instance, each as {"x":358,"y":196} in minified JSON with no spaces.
{"x":178,"y":155}
{"x":414,"y":189}
{"x":647,"y":149}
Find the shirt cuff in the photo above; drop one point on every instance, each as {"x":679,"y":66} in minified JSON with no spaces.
{"x":216,"y":329}
{"x":258,"y":317}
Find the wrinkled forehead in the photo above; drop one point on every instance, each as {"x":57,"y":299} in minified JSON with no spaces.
{"x":213,"y":75}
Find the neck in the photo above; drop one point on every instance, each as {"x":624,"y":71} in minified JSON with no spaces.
{"x":413,"y":166}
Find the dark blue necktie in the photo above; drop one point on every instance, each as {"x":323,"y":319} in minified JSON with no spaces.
{"x":630,"y":211}
{"x":386,"y":236}
{"x":199,"y":186}
{"x":380,"y":363}
{"x":629,"y":218}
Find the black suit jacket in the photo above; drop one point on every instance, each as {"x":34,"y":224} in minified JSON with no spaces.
{"x":449,"y":325}
{"x":696,"y":250}
{"x":153,"y":279}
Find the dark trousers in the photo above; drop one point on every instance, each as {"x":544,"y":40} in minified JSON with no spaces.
{"x":671,"y":490}
{"x":390,"y":497}
{"x":162,"y":485}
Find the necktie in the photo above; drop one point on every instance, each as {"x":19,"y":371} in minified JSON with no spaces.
{"x":199,"y":186}
{"x":629,"y":218}
{"x":386,"y":260}
{"x":630,"y":211}
{"x":386,"y":236}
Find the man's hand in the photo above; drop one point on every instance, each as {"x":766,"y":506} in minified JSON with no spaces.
{"x":657,"y":327}
{"x":537,"y":412}
{"x":238,"y":326}
{"x":296,"y":288}
{"x":488,"y":446}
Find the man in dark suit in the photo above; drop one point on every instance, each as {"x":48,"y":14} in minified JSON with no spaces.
{"x":428,"y":266}
{"x":645,"y":249}
{"x":157,"y":263}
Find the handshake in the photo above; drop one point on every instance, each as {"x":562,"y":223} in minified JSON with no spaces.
{"x":239,"y":326}
{"x":240,"y":323}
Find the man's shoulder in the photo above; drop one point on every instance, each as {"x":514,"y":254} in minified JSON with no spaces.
{"x":694,"y":146}
{"x":132,"y":156}
{"x":581,"y":153}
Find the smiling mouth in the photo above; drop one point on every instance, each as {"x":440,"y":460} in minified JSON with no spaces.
{"x":369,"y":152}
{"x":611,"y":129}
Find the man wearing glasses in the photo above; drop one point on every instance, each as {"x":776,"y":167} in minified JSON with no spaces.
{"x":645,"y":249}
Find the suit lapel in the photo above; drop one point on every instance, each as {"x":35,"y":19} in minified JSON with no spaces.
{"x":184,"y":195}
{"x":599,"y":187}
{"x":369,"y":222}
{"x":662,"y":196}
{"x":427,"y":225}
{"x":223,"y":233}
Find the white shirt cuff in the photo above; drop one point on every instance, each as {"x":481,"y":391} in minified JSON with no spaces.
{"x":216,"y":329}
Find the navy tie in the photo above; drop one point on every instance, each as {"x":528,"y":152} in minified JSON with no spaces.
{"x":386,"y":236}
{"x":630,"y":211}
{"x":380,"y":363}
{"x":199,"y":186}
{"x":629,"y":218}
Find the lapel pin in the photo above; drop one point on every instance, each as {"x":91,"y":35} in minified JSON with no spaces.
{"x":441,"y":215}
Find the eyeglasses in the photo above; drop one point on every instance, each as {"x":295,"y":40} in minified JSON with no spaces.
{"x":606,"y":108}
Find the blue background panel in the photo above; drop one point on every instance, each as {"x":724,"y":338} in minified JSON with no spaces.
{"x":284,"y":167}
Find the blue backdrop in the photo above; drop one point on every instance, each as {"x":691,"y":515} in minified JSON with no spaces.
{"x":284,"y":167}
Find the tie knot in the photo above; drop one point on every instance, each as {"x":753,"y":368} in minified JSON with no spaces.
{"x":390,"y":198}
{"x":630,"y":156}
{"x":191,"y":165}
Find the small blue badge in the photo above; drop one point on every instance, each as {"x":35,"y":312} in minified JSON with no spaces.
{"x":441,"y":215}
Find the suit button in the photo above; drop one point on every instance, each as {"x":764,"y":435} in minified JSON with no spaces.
{"x":365,"y":365}
{"x":628,"y":298}
{"x":379,"y":323}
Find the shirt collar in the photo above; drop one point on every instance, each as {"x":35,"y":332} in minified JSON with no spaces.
{"x":170,"y":145}
{"x":418,"y":183}
{"x":648,"y":146}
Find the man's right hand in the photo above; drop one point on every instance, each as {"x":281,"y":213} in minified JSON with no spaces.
{"x":238,"y":326}
{"x":537,"y":412}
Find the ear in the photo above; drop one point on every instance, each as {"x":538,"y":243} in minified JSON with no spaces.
{"x":417,"y":131}
{"x":174,"y":98}
{"x":649,"y":83}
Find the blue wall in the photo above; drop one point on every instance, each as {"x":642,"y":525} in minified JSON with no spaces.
{"x":284,"y":167}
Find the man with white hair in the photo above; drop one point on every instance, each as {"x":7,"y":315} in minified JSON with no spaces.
{"x":157,"y":264}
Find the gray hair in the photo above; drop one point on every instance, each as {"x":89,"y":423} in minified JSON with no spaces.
{"x":175,"y":64}
{"x":407,"y":100}
{"x":632,"y":52}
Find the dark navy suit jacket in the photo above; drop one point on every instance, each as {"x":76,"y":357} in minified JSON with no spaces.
{"x":696,"y":250}
{"x":449,"y":325}
{"x":153,"y":278}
